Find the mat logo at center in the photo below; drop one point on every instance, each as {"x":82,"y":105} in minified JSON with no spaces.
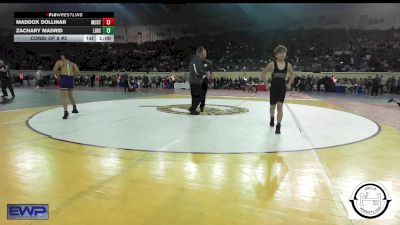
{"x":209,"y":110}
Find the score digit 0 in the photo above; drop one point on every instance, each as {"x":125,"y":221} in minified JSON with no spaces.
{"x":108,"y":30}
{"x":108,"y":21}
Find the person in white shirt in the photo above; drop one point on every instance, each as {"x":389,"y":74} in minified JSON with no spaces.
{"x":39,"y":79}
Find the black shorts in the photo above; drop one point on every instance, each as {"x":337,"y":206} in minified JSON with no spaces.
{"x":40,"y":83}
{"x":277,"y":95}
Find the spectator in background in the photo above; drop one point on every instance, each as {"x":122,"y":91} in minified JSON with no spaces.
{"x":92,"y":79}
{"x":21,"y":78}
{"x":392,"y":85}
{"x":97,"y":80}
{"x":381,"y":84}
{"x":6,"y":80}
{"x":398,"y":85}
{"x":125,"y":81}
{"x":171,"y":81}
{"x":368,"y":85}
{"x":39,"y":79}
{"x":375,"y":86}
{"x":349,"y":87}
{"x":296,"y":86}
{"x":28,"y":79}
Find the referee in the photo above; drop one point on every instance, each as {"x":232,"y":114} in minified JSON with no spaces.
{"x":197,"y":73}
{"x":6,"y":80}
{"x":208,"y":67}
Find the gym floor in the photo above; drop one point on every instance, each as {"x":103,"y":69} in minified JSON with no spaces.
{"x":139,"y":158}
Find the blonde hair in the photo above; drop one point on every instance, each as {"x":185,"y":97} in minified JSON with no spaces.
{"x":280,"y":48}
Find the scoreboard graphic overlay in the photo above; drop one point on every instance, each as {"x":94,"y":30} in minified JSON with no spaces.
{"x":64,"y":26}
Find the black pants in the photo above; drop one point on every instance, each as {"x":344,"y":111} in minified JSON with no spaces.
{"x":197,"y":93}
{"x":375,"y":89}
{"x":126,"y":86}
{"x":6,"y":83}
{"x":204,"y":87}
{"x":381,"y":89}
